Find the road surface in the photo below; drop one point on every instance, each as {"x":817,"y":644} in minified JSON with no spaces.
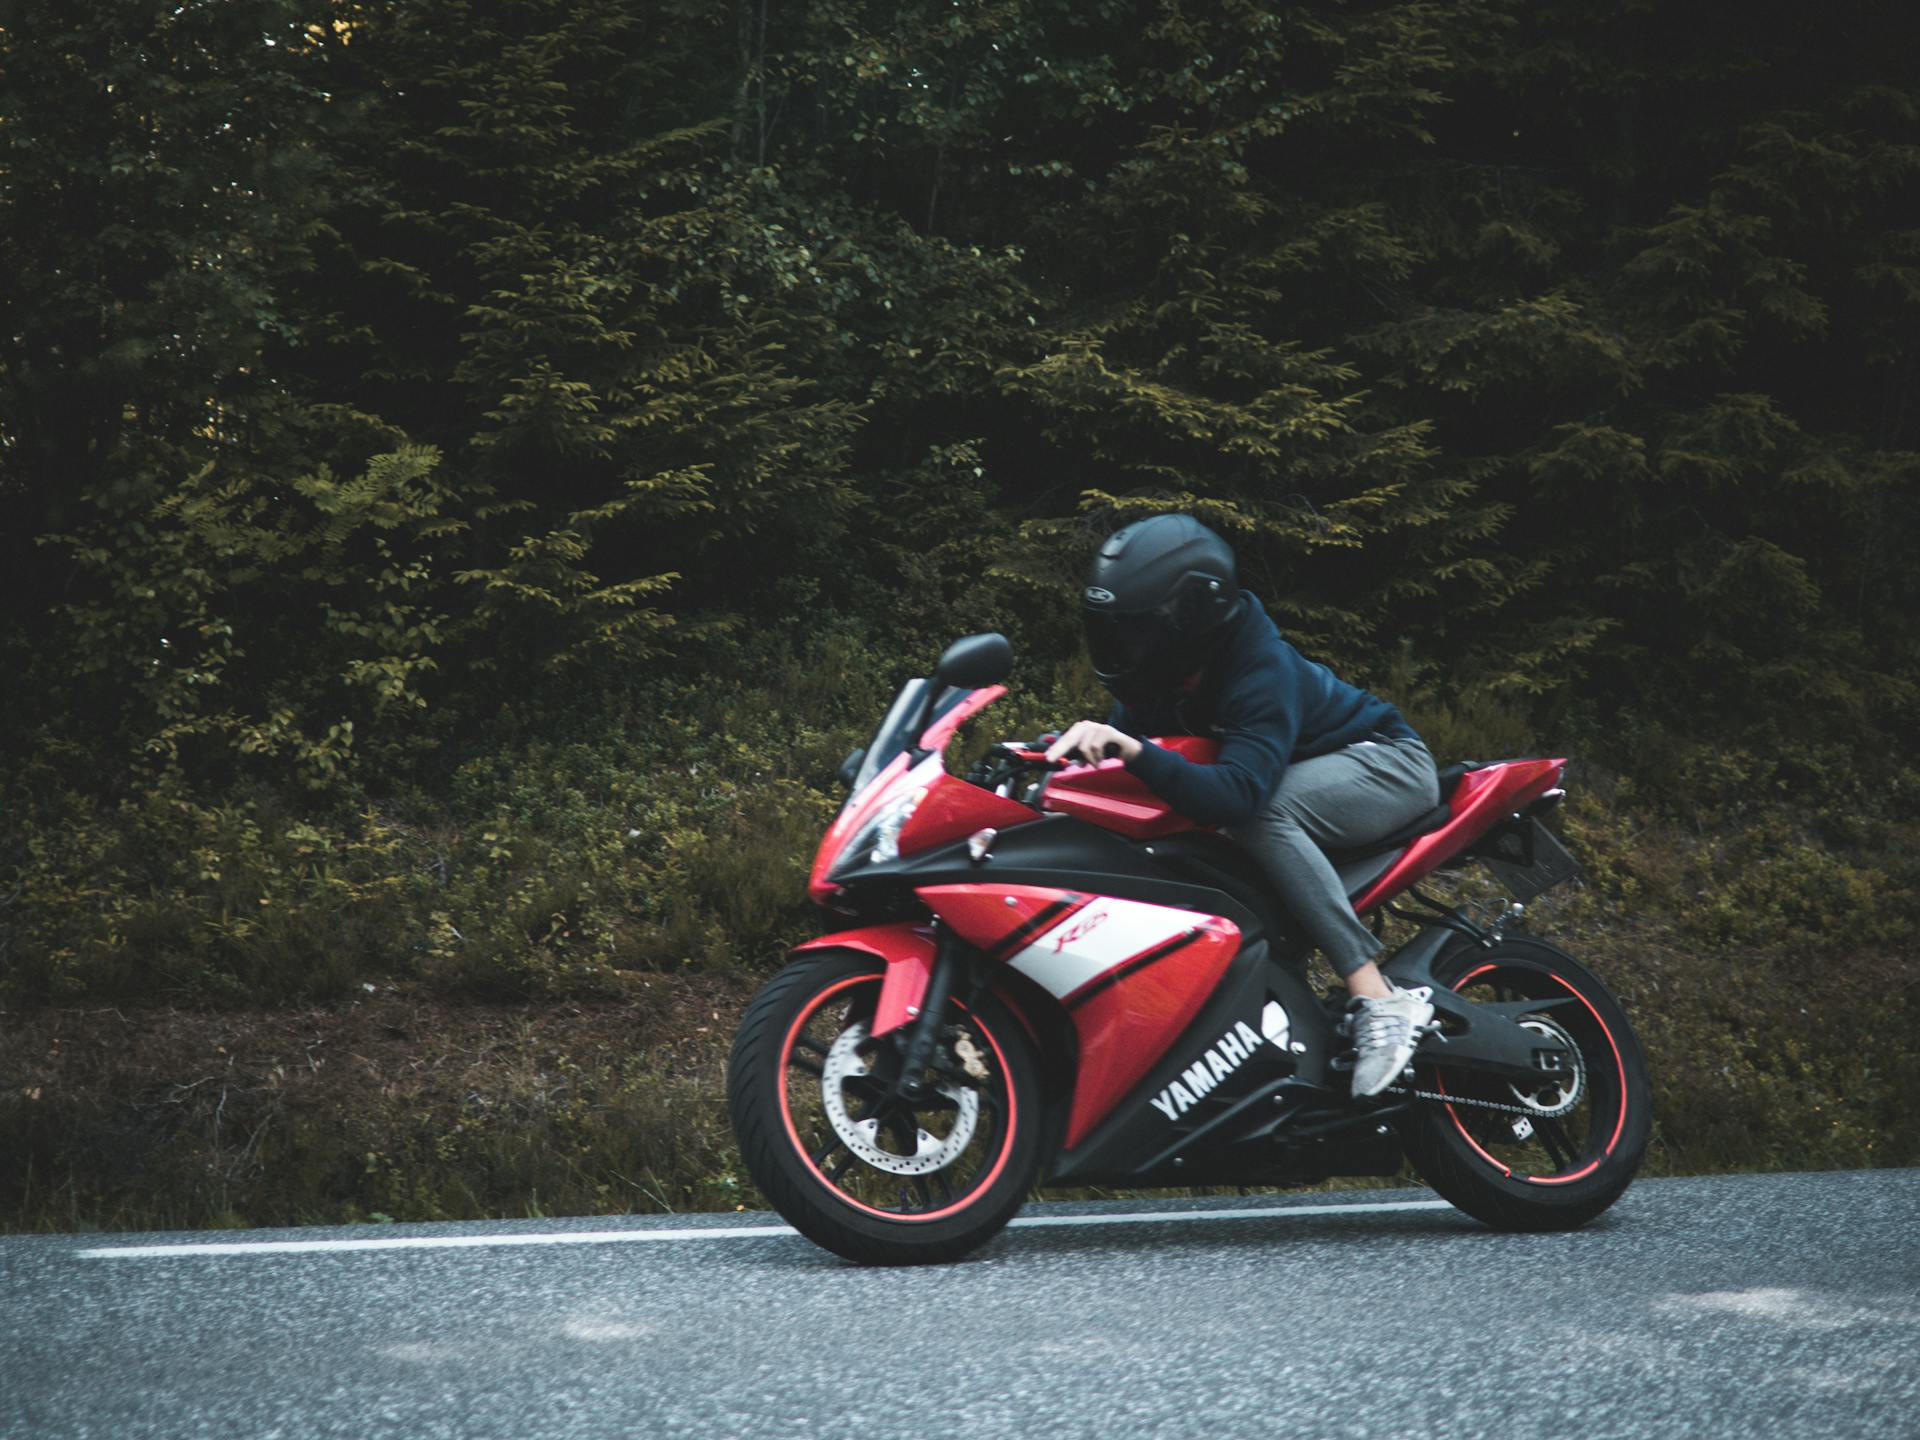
{"x":1734,"y":1306}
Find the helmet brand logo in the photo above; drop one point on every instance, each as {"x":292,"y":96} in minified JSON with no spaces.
{"x":1096,"y":595}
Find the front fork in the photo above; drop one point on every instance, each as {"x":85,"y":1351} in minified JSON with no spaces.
{"x":926,"y":1016}
{"x":925,"y":969}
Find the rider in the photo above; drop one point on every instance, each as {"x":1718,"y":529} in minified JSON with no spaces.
{"x":1305,"y":760}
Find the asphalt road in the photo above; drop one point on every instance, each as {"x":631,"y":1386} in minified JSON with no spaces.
{"x":1737,"y":1306}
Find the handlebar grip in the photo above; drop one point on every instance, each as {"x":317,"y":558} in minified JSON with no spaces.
{"x":1111,"y":750}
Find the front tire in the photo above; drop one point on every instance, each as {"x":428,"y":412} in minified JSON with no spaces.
{"x":871,"y":1177}
{"x":1550,"y":1159}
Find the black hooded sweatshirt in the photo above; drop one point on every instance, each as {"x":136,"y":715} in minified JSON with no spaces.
{"x":1267,"y":705}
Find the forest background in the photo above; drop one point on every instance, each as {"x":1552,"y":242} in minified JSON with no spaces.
{"x":468,"y":473}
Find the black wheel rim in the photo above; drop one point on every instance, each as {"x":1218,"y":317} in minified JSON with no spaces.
{"x":1523,"y":1140}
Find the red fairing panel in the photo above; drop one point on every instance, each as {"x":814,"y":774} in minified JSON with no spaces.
{"x":1483,"y":799}
{"x":953,"y":809}
{"x":1127,"y":1019}
{"x":908,"y":951}
{"x":999,"y":919}
{"x":1131,"y":975}
{"x":1111,"y":796}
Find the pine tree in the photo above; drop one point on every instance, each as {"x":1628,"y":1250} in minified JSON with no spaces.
{"x":162,"y":175}
{"x":1190,"y":202}
{"x":1664,"y":312}
{"x":621,"y":416}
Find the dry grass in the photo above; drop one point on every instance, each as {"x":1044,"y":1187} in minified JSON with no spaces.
{"x":397,"y":1106}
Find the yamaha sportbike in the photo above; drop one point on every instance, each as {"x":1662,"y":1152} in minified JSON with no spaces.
{"x":1043,"y":975}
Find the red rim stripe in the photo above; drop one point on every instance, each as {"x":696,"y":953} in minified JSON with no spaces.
{"x":1619,"y":1068}
{"x":806,"y":1158}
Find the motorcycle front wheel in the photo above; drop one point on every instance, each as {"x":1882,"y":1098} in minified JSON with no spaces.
{"x":849,"y":1162}
{"x":1546,"y":1158}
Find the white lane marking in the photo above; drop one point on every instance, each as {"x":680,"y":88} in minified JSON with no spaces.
{"x":423,"y":1242}
{"x":1180,"y":1216}
{"x":737,"y":1232}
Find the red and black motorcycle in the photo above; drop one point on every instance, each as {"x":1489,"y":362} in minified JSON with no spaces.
{"x":1047,"y":976}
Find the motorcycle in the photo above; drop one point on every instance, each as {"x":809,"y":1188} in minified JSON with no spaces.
{"x":1045,"y":975}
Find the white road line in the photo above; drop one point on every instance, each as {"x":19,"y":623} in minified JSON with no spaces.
{"x":419,"y":1242}
{"x":1293,"y":1213}
{"x":737,"y":1232}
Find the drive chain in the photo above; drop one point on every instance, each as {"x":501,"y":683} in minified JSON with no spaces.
{"x":1526,"y":1110}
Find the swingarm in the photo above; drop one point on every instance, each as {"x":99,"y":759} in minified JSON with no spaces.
{"x":1487,"y":1035}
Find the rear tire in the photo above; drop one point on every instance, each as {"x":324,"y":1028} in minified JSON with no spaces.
{"x":1571,"y":1151}
{"x":868,"y":1176}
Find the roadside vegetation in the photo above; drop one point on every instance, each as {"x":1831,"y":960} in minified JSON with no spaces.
{"x":465,"y":481}
{"x":517,"y":1005}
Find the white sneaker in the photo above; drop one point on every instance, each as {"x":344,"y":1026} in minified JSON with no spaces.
{"x":1384,"y":1034}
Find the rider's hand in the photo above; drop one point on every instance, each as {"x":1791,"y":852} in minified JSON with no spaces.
{"x":1088,"y":740}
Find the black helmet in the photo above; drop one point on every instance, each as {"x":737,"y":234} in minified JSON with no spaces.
{"x":1158,"y":594}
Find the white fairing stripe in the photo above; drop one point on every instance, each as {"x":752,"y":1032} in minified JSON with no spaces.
{"x":1092,"y":941}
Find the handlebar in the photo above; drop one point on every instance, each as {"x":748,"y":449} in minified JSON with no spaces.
{"x":999,"y":770}
{"x":1034,"y":753}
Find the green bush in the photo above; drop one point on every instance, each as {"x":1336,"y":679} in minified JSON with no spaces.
{"x":170,"y":895}
{"x":665,"y":826}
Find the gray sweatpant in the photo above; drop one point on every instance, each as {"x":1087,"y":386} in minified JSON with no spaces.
{"x":1338,"y":801}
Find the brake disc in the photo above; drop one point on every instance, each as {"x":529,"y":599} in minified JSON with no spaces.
{"x":931,"y":1152}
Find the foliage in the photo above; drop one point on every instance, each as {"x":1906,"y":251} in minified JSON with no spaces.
{"x":671,"y":827}
{"x":1769,"y":976}
{"x":237,"y":900}
{"x":253,"y":613}
{"x":713,"y":316}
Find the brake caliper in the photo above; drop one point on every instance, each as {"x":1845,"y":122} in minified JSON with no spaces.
{"x":971,"y":1060}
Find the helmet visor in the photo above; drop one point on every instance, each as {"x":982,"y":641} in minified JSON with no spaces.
{"x":1129,"y":649}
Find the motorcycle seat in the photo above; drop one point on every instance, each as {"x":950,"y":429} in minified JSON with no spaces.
{"x":1451,"y":777}
{"x":1228,"y":866}
{"x":1405,"y":835}
{"x":1440,"y":814}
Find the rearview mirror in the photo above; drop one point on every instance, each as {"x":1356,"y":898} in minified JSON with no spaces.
{"x":976,"y":661}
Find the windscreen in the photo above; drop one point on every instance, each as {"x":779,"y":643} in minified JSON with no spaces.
{"x":1115,"y":643}
{"x":899,"y":731}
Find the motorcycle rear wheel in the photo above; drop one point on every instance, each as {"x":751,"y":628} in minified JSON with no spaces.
{"x":872,"y":1177}
{"x":1550,"y":1159}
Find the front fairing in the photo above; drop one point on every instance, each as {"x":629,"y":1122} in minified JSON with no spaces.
{"x":903,"y":800}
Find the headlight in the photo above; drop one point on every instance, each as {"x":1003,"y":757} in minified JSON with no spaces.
{"x":879,"y":840}
{"x":893,"y":819}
